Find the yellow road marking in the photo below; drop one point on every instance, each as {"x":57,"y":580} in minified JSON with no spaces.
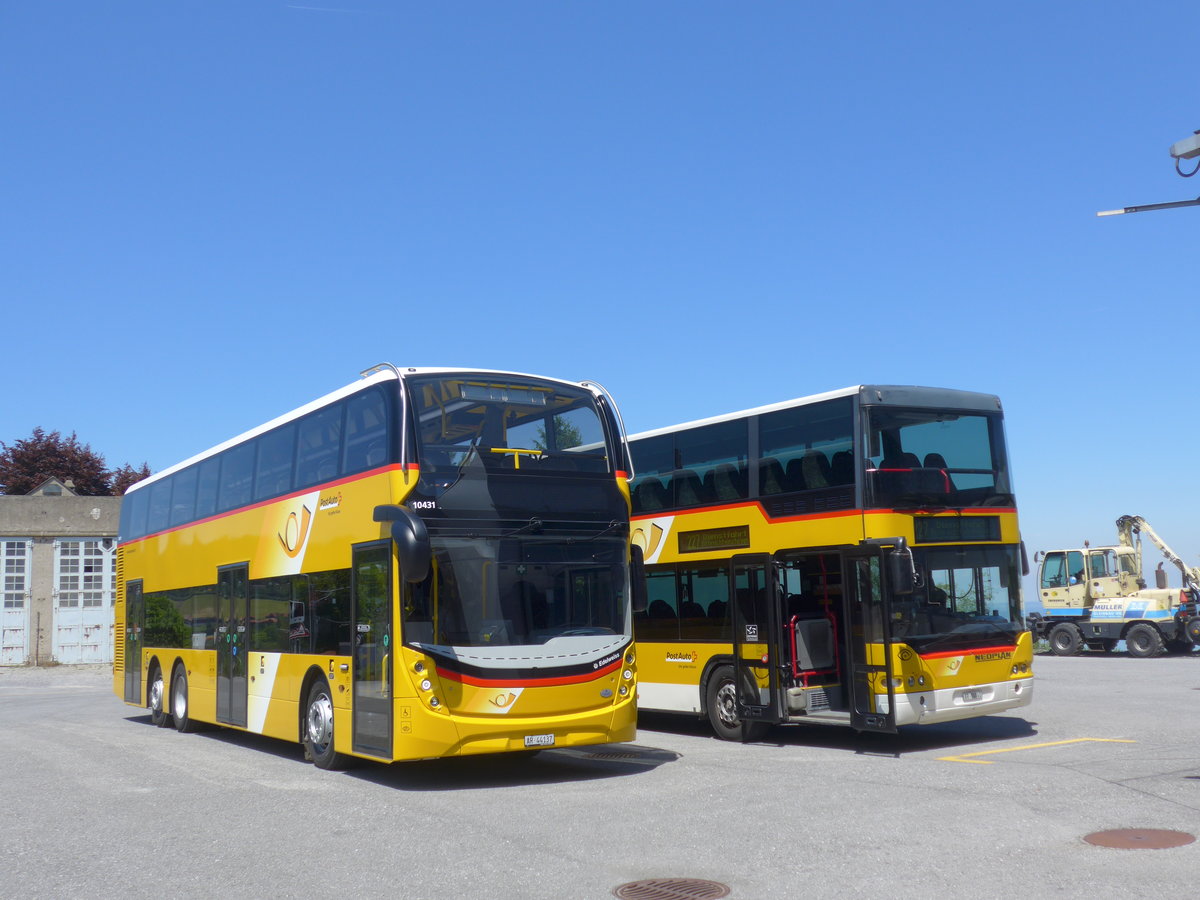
{"x":969,"y":757}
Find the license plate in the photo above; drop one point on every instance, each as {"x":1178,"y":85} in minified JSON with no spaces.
{"x":539,"y":740}
{"x":972,"y":696}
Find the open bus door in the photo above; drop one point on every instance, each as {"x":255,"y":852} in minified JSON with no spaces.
{"x":757,"y":619}
{"x":874,"y":571}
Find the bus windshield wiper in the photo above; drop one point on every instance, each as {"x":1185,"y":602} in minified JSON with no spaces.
{"x":614,"y":525}
{"x":533,"y":526}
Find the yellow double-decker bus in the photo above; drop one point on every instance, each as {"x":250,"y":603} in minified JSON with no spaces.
{"x":425,"y":563}
{"x":850,"y":558}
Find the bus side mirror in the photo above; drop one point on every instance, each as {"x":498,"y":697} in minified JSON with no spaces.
{"x":637,"y":578}
{"x":900,"y":572}
{"x":411,"y":538}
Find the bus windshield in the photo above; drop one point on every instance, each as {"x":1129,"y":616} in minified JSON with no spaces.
{"x":934,"y":458}
{"x":519,"y":590}
{"x":510,"y":424}
{"x":969,"y":598}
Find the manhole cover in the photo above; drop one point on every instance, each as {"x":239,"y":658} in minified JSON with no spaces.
{"x":671,"y":889}
{"x":1139,"y":839}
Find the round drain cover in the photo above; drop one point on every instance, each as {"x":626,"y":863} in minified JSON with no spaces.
{"x":1139,"y":839}
{"x":671,"y":889}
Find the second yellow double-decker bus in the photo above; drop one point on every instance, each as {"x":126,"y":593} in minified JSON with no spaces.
{"x":428,"y":562}
{"x":851,"y":558}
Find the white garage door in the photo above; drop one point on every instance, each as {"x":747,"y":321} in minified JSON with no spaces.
{"x":84,"y":580}
{"x":15,"y":557}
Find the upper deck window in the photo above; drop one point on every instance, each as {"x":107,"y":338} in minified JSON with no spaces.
{"x":935,"y":458}
{"x":509,"y":424}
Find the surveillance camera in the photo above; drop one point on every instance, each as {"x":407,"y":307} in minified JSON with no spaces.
{"x":1188,"y":148}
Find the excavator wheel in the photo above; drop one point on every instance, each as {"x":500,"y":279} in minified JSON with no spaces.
{"x":1192,"y":629}
{"x":1065,"y":639}
{"x":1143,"y":640}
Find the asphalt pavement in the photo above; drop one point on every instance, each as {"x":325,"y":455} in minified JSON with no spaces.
{"x":97,"y":802}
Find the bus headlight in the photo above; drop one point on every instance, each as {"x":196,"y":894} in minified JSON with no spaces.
{"x":426,"y":684}
{"x":627,"y":674}
{"x":629,"y":657}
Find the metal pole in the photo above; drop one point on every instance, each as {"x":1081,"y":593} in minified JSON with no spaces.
{"x":1148,"y":207}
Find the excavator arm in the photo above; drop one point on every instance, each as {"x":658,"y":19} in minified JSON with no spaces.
{"x":1128,"y":529}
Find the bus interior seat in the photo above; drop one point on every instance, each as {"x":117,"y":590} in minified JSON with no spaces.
{"x":794,"y":477}
{"x":691,"y":610}
{"x":725,"y":482}
{"x":660,"y":609}
{"x":376,"y":455}
{"x":650,"y":495}
{"x":770,"y":478}
{"x":718,"y":609}
{"x":816,"y":469}
{"x":841,"y":467}
{"x":689,"y":491}
{"x":814,"y":644}
{"x":937,"y":461}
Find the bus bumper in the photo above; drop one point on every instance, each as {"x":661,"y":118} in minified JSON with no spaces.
{"x":949,"y":704}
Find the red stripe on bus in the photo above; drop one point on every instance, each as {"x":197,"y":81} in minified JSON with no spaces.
{"x":527,"y":682}
{"x":324,"y":486}
{"x":973,"y":651}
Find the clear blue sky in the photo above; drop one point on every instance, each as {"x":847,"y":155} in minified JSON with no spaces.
{"x":213,"y":212}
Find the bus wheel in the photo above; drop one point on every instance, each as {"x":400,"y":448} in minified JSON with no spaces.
{"x":158,"y":715}
{"x":1065,"y":639}
{"x":318,"y":728}
{"x":1143,"y":640}
{"x":721,"y":704}
{"x":179,"y":702}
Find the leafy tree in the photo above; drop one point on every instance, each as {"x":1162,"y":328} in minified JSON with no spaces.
{"x":25,"y":464}
{"x":126,"y":476}
{"x":566,"y":436}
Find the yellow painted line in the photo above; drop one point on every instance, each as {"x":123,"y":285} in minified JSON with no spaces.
{"x":969,"y":757}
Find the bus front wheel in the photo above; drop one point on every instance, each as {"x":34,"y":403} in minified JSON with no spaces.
{"x":318,"y":728}
{"x":722,"y":706}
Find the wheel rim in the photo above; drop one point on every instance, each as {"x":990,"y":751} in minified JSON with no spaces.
{"x":156,"y":693}
{"x":320,"y":721}
{"x":179,"y":700}
{"x":727,"y":704}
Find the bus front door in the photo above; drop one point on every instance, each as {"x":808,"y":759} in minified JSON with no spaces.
{"x":233,"y":619}
{"x":134,"y":622}
{"x":371,"y":619}
{"x":868,"y":637}
{"x":756,"y":617}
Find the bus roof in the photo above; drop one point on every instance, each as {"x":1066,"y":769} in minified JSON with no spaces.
{"x":376,"y":375}
{"x":890,"y":394}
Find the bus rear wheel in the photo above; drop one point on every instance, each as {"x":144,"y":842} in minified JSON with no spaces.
{"x":721,"y":703}
{"x":158,"y":714}
{"x":318,"y":728}
{"x":1143,"y":640}
{"x":179,"y":702}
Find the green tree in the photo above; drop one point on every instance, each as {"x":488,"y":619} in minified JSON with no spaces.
{"x":566,"y":436}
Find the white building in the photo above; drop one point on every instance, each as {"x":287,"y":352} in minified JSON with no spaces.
{"x":57,"y":560}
